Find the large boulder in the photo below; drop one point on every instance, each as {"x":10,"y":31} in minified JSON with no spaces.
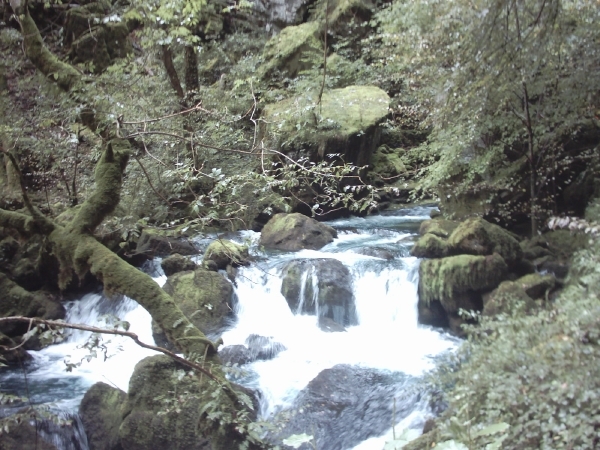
{"x":223,"y":253}
{"x":292,"y":232}
{"x":508,"y":298}
{"x":476,"y":236}
{"x":345,"y":122}
{"x":256,"y":348}
{"x":337,"y":400}
{"x":169,"y":409}
{"x":205,"y":297}
{"x":430,"y":246}
{"x":454,"y":283}
{"x":320,"y":286}
{"x":101,"y":415}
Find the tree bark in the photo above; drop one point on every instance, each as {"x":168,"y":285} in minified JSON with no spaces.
{"x":167,"y":57}
{"x":191,"y":69}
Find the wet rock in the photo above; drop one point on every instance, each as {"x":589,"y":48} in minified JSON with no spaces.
{"x":24,"y":436}
{"x":292,"y":232}
{"x":224,"y":253}
{"x":205,"y":297}
{"x":16,"y":356}
{"x":323,"y":285}
{"x":257,"y":348}
{"x":439,"y":227}
{"x":376,"y":252}
{"x":282,"y":12}
{"x":151,"y":243}
{"x":432,"y":313}
{"x":177,"y":263}
{"x":330,"y":326}
{"x":339,"y":412}
{"x":101,"y":415}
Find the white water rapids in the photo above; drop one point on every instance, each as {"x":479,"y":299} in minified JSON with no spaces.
{"x":387,"y":336}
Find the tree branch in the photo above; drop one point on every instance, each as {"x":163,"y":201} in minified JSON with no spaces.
{"x":133,"y":336}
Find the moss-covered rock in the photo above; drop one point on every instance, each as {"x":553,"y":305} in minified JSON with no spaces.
{"x":101,"y":414}
{"x":458,"y":281}
{"x":294,"y":49}
{"x":224,"y":253}
{"x":183,"y":423}
{"x":320,"y":286}
{"x":440,"y":227}
{"x":508,"y":298}
{"x":537,"y":285}
{"x":204,"y":297}
{"x":386,"y":163}
{"x":17,"y":356}
{"x":292,"y":232}
{"x":24,"y":435}
{"x":430,"y":246}
{"x":177,"y":263}
{"x":476,"y":236}
{"x":346,"y":122}
{"x":16,"y":301}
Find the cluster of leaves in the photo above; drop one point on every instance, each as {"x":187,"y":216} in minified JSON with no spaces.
{"x":537,"y":374}
{"x":494,"y":76}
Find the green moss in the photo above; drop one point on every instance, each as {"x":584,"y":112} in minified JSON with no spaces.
{"x":387,"y":163}
{"x":430,"y":246}
{"x":440,"y":227}
{"x":345,"y":122}
{"x":476,"y":236}
{"x":294,"y":49}
{"x":224,"y":252}
{"x":443,"y":279}
{"x":63,"y":74}
{"x":508,"y":298}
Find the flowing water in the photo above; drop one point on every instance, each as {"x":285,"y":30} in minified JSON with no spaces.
{"x":386,"y":339}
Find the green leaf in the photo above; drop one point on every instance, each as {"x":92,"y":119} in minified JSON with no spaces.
{"x":296,"y":440}
{"x":492,"y":429}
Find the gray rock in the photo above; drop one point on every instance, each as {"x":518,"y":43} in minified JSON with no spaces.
{"x":292,"y":232}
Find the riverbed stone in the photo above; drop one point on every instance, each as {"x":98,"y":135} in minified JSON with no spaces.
{"x":177,"y":263}
{"x":430,"y":246}
{"x":329,"y":293}
{"x":101,"y":415}
{"x":224,"y":252}
{"x":339,"y":412}
{"x":154,"y":243}
{"x":293,"y":232}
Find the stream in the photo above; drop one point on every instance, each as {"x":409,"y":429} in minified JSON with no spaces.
{"x":387,"y":350}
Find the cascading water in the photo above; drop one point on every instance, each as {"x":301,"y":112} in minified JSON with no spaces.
{"x":387,"y":338}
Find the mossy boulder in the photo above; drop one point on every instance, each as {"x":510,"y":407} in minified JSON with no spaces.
{"x":204,"y":297}
{"x":16,"y":301}
{"x":458,"y":281}
{"x":292,"y":232}
{"x":430,"y":246}
{"x":177,"y":263}
{"x":294,"y":49}
{"x":537,"y":285}
{"x":224,"y":253}
{"x":508,"y":298}
{"x":101,"y":414}
{"x":440,"y":227}
{"x":155,"y":387}
{"x":476,"y":236}
{"x":320,"y":286}
{"x":346,"y":122}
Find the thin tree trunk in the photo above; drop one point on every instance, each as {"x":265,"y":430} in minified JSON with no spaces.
{"x":191,"y":69}
{"x":167,"y":58}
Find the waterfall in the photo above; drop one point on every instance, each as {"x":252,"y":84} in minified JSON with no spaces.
{"x":387,"y":338}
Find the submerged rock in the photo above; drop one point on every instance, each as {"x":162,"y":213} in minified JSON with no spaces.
{"x":339,"y":412}
{"x":322,"y":287}
{"x":292,"y":232}
{"x":257,"y":348}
